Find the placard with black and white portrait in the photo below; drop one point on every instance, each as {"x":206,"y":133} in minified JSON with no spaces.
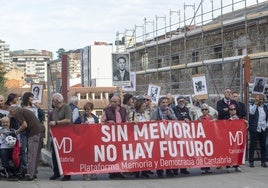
{"x":121,"y":69}
{"x":37,"y":91}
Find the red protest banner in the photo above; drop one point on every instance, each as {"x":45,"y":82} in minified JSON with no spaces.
{"x":105,"y":148}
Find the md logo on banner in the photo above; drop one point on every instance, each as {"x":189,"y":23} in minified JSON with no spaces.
{"x":236,"y":139}
{"x":66,"y":144}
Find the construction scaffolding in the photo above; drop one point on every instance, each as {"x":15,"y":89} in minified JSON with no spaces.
{"x":212,"y":42}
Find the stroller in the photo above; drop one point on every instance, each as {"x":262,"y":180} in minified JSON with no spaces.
{"x":9,"y":153}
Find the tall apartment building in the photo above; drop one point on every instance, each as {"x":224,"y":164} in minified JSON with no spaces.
{"x":33,"y":62}
{"x":74,"y":58}
{"x":5,"y":55}
{"x":96,"y":65}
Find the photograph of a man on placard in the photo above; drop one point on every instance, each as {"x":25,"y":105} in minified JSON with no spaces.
{"x":259,"y":84}
{"x":121,"y":67}
{"x":154,"y":92}
{"x":37,"y":90}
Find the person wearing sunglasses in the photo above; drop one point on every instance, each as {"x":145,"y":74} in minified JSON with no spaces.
{"x":205,"y":117}
{"x":233,"y":116}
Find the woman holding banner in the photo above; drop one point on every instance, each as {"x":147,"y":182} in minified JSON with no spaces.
{"x":163,"y":112}
{"x":89,"y":118}
{"x":205,"y":117}
{"x":139,"y":115}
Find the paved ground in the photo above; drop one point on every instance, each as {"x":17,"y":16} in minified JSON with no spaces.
{"x":251,"y":178}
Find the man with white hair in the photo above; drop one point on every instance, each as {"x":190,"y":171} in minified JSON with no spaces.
{"x":76,"y":117}
{"x":62,"y":115}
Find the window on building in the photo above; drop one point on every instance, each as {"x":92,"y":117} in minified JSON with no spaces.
{"x":159,"y":63}
{"x":145,"y":61}
{"x":242,"y":51}
{"x":83,"y":96}
{"x":175,"y":60}
{"x":97,"y":96}
{"x":218,"y":52}
{"x":195,"y":56}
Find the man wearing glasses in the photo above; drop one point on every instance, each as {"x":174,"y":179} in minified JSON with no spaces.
{"x":182,"y":113}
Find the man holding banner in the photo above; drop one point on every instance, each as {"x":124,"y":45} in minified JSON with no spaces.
{"x":62,"y":115}
{"x":114,"y":113}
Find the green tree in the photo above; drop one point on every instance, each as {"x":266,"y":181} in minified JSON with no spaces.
{"x":60,"y":52}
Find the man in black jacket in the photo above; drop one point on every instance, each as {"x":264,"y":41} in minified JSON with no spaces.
{"x":224,"y":103}
{"x":182,"y":113}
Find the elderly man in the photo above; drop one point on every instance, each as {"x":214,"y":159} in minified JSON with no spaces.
{"x":29,"y":122}
{"x":62,"y":115}
{"x":224,"y":103}
{"x":182,"y":113}
{"x":114,"y":113}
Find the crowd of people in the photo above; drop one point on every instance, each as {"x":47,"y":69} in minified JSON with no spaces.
{"x":21,"y":126}
{"x":24,"y":123}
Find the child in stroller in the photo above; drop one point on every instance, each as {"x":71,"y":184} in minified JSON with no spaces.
{"x":8,"y":140}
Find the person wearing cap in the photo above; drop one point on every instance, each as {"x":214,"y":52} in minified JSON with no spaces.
{"x":163,"y":112}
{"x":182,"y":113}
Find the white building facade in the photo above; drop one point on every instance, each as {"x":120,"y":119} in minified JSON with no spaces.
{"x":96,"y":65}
{"x":34,"y":64}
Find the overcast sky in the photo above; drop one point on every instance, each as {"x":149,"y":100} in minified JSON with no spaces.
{"x":73,"y":24}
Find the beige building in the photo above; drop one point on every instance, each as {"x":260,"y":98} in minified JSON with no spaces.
{"x":15,"y":78}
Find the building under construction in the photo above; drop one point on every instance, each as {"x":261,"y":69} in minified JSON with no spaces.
{"x":230,"y":49}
